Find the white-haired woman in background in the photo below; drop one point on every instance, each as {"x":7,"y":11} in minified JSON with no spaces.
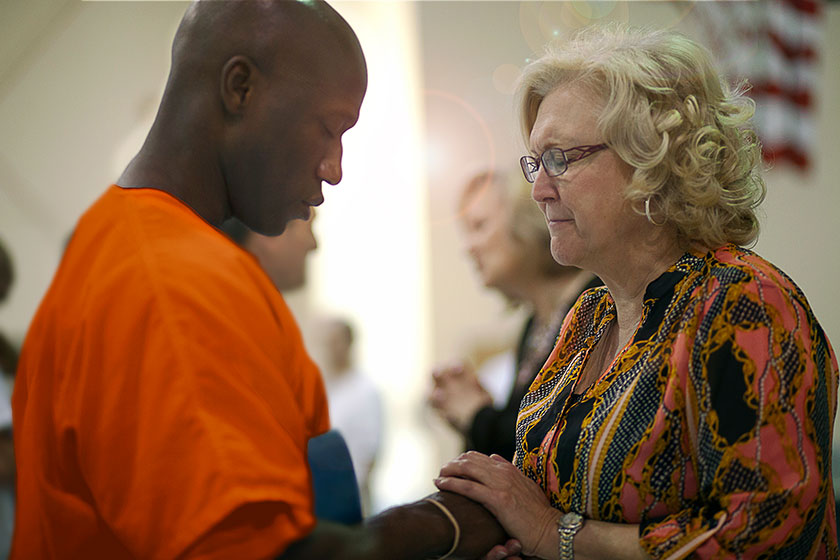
{"x":505,"y":234}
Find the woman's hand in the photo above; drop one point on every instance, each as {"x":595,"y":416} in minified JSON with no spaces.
{"x":517,"y":501}
{"x":458,"y":395}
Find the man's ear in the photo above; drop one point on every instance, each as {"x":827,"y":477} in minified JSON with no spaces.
{"x":237,"y":83}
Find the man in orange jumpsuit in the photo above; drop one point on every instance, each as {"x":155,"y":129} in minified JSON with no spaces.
{"x":164,"y":399}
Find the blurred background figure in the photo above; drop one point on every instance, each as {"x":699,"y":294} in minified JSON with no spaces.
{"x":282,"y":257}
{"x":354,"y":400}
{"x":8,"y":364}
{"x":507,"y":238}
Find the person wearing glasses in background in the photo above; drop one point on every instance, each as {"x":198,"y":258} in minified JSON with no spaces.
{"x":687,"y":408}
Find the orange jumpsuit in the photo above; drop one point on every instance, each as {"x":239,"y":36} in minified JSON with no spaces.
{"x":164,"y":398}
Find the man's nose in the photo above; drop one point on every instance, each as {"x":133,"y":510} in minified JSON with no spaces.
{"x":330,"y":167}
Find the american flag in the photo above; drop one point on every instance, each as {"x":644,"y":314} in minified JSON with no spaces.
{"x":773,"y":45}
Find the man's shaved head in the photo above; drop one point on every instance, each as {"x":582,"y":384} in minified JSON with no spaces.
{"x":259,"y":95}
{"x":291,"y":33}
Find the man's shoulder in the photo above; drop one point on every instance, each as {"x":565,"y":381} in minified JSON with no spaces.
{"x":153,"y":229}
{"x":151,"y":224}
{"x":141,"y":249}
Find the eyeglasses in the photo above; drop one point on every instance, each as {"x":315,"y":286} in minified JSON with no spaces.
{"x":556,"y":161}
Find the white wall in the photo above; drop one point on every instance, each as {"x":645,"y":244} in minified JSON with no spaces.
{"x":82,"y":78}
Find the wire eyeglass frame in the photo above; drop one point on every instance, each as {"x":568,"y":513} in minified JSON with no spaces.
{"x":556,"y":161}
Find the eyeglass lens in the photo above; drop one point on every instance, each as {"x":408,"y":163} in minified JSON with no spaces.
{"x":553,"y":160}
{"x":529,"y":168}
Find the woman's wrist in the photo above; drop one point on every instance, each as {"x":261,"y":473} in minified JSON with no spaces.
{"x":547,"y":545}
{"x":599,"y":539}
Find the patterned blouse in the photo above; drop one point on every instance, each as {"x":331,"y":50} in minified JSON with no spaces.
{"x":711,"y":429}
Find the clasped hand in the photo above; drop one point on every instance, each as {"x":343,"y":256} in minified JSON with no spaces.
{"x":458,"y":395}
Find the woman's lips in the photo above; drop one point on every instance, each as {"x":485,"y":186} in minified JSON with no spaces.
{"x":558,"y":223}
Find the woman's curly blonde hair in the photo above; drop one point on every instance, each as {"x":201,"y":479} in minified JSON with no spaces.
{"x":670,"y":115}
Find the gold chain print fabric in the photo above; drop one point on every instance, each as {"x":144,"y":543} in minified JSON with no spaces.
{"x":712,"y":428}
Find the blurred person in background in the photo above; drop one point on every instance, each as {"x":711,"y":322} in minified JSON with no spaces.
{"x":505,"y":235}
{"x":687,"y":408}
{"x":8,"y":365}
{"x":282,"y":257}
{"x":354,"y":400}
{"x":8,"y":351}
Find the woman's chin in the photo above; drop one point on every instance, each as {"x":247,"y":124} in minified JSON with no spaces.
{"x":563,"y":257}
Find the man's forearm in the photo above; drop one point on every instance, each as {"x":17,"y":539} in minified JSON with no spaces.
{"x":414,"y":531}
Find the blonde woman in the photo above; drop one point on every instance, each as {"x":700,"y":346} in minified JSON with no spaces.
{"x":687,"y":408}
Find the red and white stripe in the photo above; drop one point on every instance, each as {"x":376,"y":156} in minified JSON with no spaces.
{"x":773,"y":44}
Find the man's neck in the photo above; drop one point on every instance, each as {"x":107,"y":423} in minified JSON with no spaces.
{"x":200,"y":188}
